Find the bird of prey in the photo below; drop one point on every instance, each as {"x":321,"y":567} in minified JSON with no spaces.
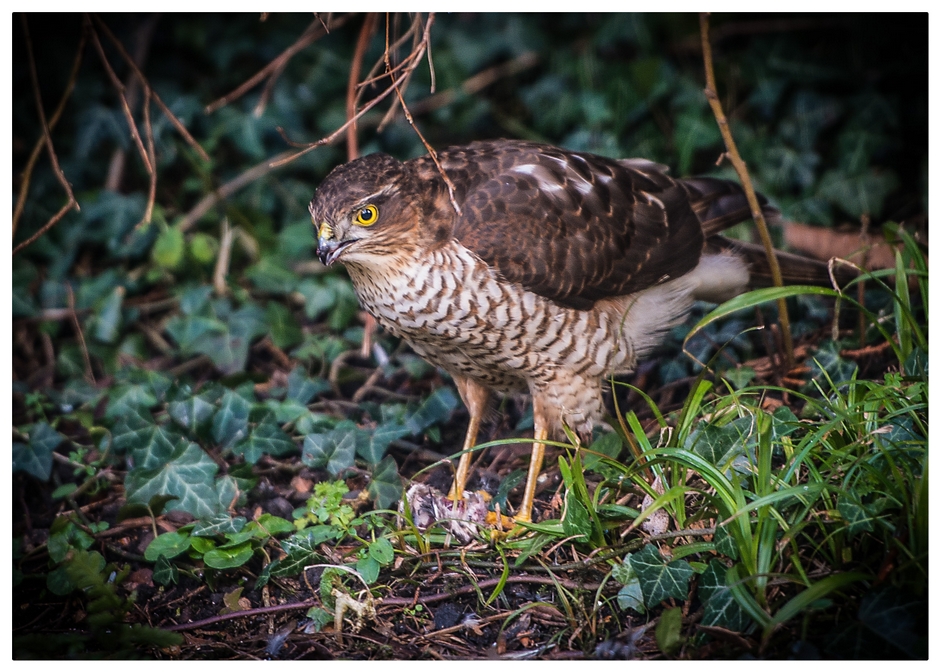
{"x":556,"y":270}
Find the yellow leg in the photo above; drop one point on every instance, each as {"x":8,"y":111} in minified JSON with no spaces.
{"x":475,"y":397}
{"x":535,"y":467}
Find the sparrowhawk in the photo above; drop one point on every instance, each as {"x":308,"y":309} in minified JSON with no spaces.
{"x":561,"y":268}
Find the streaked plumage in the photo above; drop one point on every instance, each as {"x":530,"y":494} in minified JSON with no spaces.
{"x":561,"y":269}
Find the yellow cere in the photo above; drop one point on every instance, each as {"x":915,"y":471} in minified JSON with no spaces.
{"x":326,"y":231}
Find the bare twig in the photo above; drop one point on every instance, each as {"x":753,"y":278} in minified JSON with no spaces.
{"x":41,"y":142}
{"x":156,"y":97}
{"x":352,"y":146}
{"x":34,"y":77}
{"x":711,"y":92}
{"x":222,"y":261}
{"x":412,"y":61}
{"x":313,"y":32}
{"x":152,"y":155}
{"x":142,"y":38}
{"x":425,"y":42}
{"x":89,"y":374}
{"x":125,"y":106}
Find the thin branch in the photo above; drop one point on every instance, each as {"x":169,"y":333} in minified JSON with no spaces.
{"x":34,"y":77}
{"x":352,"y":146}
{"x":143,"y":80}
{"x":89,"y":374}
{"x":152,"y":155}
{"x":142,"y":38}
{"x":125,"y":106}
{"x":711,"y":92}
{"x":41,"y":142}
{"x":313,"y":32}
{"x":426,"y":40}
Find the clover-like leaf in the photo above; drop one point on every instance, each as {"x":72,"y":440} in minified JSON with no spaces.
{"x":229,"y":556}
{"x":168,"y":545}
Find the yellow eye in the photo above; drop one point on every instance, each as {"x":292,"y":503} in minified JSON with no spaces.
{"x":367,"y":216}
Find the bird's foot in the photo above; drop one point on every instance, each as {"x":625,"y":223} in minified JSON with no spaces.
{"x":464,"y":517}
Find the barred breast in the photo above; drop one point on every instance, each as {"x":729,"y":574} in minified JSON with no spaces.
{"x":456,"y":312}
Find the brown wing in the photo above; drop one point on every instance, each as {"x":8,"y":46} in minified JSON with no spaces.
{"x":571,"y":226}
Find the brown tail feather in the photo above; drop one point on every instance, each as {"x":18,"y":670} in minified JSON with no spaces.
{"x":722,"y":203}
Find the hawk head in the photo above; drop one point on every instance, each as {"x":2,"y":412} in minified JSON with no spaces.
{"x":359,"y":209}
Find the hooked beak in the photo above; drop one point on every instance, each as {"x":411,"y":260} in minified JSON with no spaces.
{"x":328,"y":248}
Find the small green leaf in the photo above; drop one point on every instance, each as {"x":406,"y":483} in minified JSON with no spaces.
{"x":669,"y":631}
{"x":369,"y":568}
{"x":108,"y":318}
{"x":229,"y":557}
{"x":169,"y":248}
{"x":382,"y":551}
{"x":203,"y":247}
{"x":168,"y":545}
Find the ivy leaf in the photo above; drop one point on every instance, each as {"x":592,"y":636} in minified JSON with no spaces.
{"x":148,"y":444}
{"x":36,"y":458}
{"x":301,"y":388}
{"x":436,"y":408}
{"x":282,"y":326}
{"x":630,"y":595}
{"x":720,"y":444}
{"x":265,"y":438}
{"x":576,"y":521}
{"x":721,"y":609}
{"x":108,"y":318}
{"x":218,"y":525}
{"x":165,"y":572}
{"x":230,"y":423}
{"x":658,"y":579}
{"x":373,"y":449}
{"x":129,"y":397}
{"x":191,"y":411}
{"x":385,"y":488}
{"x":188,"y":475}
{"x":302,"y":549}
{"x":335,"y":450}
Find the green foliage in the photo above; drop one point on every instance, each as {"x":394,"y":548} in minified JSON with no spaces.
{"x":187,"y":399}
